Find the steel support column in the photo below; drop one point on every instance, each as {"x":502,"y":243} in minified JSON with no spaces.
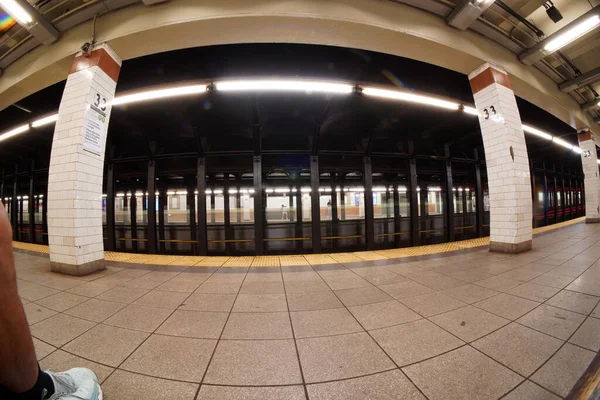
{"x":151,"y":227}
{"x":162,"y":205}
{"x":201,"y":235}
{"x":315,"y":204}
{"x":238,"y":199}
{"x":227,"y":215}
{"x":133,"y":215}
{"x":555,"y":194}
{"x":213,"y":215}
{"x":424,"y":203}
{"x":334,"y":211}
{"x":397,"y":217}
{"x":110,"y":207}
{"x":369,"y":213}
{"x":546,"y":198}
{"x":449,"y":196}
{"x":414,"y":210}
{"x":479,"y":211}
{"x":299,"y":230}
{"x":259,"y":207}
{"x":31,"y":207}
{"x":45,"y":217}
{"x":342,"y":198}
{"x":532,"y":175}
{"x":14,"y":205}
{"x":291,"y":215}
{"x":563,"y":198}
{"x":191,"y":203}
{"x":570,"y":194}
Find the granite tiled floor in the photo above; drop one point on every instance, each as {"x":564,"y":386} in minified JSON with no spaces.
{"x":475,"y":325}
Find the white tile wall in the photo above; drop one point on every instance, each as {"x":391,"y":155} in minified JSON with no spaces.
{"x":75,"y":176}
{"x":508,"y":180}
{"x":591,"y":180}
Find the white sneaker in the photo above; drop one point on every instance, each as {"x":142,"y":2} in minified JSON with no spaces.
{"x":76,"y":383}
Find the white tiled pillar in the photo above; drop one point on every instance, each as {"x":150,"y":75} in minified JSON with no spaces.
{"x":505,"y":158}
{"x":77,"y":164}
{"x":589,"y":162}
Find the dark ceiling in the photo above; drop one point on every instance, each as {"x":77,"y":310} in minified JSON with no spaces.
{"x":291,"y":125}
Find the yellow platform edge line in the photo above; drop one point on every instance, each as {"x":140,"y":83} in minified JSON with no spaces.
{"x":297,"y":259}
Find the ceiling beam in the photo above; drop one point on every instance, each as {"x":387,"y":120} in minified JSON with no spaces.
{"x":466,"y":12}
{"x":592,"y":104}
{"x":581,"y":80}
{"x":537,"y":52}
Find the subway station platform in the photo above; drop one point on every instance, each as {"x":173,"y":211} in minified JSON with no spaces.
{"x":292,"y":260}
{"x":460,"y":325}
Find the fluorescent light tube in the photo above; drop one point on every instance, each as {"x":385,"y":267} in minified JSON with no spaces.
{"x":413,"y":98}
{"x":537,"y":132}
{"x":160,"y":94}
{"x":14,"y":132}
{"x":562,"y":143}
{"x":269,"y":85}
{"x":573,"y":33}
{"x":16,"y":11}
{"x":44,"y":121}
{"x":471,"y":110}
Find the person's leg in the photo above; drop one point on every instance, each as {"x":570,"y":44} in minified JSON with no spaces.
{"x":18,"y":363}
{"x":20,"y":374}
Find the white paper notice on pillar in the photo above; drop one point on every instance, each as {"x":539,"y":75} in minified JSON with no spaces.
{"x":96,"y":124}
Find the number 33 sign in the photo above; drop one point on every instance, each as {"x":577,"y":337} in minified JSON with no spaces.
{"x":487,"y":112}
{"x":100,"y":102}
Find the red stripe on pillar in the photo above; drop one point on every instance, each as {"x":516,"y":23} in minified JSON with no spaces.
{"x":100,"y":58}
{"x":488,"y":77}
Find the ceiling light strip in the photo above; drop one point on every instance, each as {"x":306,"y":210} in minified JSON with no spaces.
{"x":573,"y":33}
{"x":44,"y":121}
{"x":14,"y":132}
{"x":159,"y":94}
{"x":16,"y":11}
{"x":409,"y":97}
{"x":287,"y":85}
{"x":275,"y":85}
{"x":536,"y":132}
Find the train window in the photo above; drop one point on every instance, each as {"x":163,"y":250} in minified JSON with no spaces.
{"x":403,"y":196}
{"x":281,"y":205}
{"x":25,"y":210}
{"x":215,"y":208}
{"x":471,"y":200}
{"x":558,"y":198}
{"x":121,"y":209}
{"x":458,"y":200}
{"x":39,"y":209}
{"x":141,"y":208}
{"x":104,"y":209}
{"x":434,"y":201}
{"x":355,"y":203}
{"x":325,"y":206}
{"x":306,"y":204}
{"x":176,"y":211}
{"x":242,"y":213}
{"x":383,"y":203}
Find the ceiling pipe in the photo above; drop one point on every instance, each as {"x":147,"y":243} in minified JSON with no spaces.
{"x":582,"y":80}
